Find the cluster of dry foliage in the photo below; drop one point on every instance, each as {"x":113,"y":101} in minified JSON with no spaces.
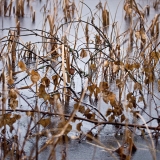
{"x":119,"y":69}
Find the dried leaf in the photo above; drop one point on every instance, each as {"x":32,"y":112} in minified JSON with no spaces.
{"x":56,"y":96}
{"x":140,"y":99}
{"x":119,"y":83}
{"x":106,"y":63}
{"x":28,"y":113}
{"x":91,"y":88}
{"x":103,"y":86}
{"x":81,"y":109}
{"x":115,"y":68}
{"x":137,"y":86}
{"x":16,"y":116}
{"x":155,"y":56}
{"x":78,"y":127}
{"x":129,"y":66}
{"x":111,"y":97}
{"x":119,"y":111}
{"x":46,"y":96}
{"x":45,"y":81}
{"x":96,"y":92}
{"x":71,"y":71}
{"x":83,"y":53}
{"x":88,"y":115}
{"x":135,"y":114}
{"x":22,"y":65}
{"x":143,"y":132}
{"x":44,"y":122}
{"x":61,"y":124}
{"x":87,"y":111}
{"x":93,"y":116}
{"x":136,"y":65}
{"x":111,"y":118}
{"x":143,"y":34}
{"x":69,"y":128}
{"x":76,"y":106}
{"x":55,"y":80}
{"x":109,"y":111}
{"x":93,"y":66}
{"x":10,"y":81}
{"x":129,"y":105}
{"x":89,"y":135}
{"x":13,"y":103}
{"x":35,"y":76}
{"x":12,"y":94}
{"x":42,"y":93}
{"x":123,"y":117}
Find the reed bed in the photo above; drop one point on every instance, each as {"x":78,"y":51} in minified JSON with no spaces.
{"x":116,"y":73}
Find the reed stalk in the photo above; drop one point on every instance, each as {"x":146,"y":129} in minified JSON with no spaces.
{"x":33,"y":16}
{"x":18,"y":27}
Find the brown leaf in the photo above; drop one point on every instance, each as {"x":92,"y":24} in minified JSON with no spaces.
{"x":88,"y":115}
{"x":106,"y":63}
{"x":83,"y":53}
{"x":42,"y":93}
{"x":13,"y":103}
{"x":55,"y":80}
{"x":78,"y":126}
{"x":45,"y":81}
{"x":155,"y":56}
{"x":140,"y":99}
{"x":129,"y":66}
{"x":69,"y":128}
{"x":93,"y":66}
{"x":119,"y":111}
{"x":93,"y":116}
{"x":115,"y":68}
{"x":35,"y":76}
{"x":10,"y":81}
{"x":143,"y":34}
{"x":7,"y":115}
{"x":81,"y":109}
{"x":45,"y":96}
{"x":56,"y":96}
{"x":103,"y":86}
{"x":129,"y":96}
{"x":109,"y":111}
{"x":137,"y":86}
{"x":71,"y":71}
{"x":61,"y":124}
{"x":111,"y":97}
{"x":22,"y":66}
{"x":123,"y":117}
{"x":91,"y":88}
{"x":76,"y":106}
{"x":111,"y":118}
{"x":17,"y":116}
{"x":89,"y":135}
{"x":45,"y":122}
{"x":119,"y":83}
{"x":129,"y":105}
{"x":136,"y":65}
{"x":28,"y":113}
{"x":105,"y":97}
{"x":87,"y":111}
{"x":12,"y":94}
{"x":96,"y":92}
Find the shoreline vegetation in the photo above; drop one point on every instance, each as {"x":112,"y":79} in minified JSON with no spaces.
{"x":78,"y":70}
